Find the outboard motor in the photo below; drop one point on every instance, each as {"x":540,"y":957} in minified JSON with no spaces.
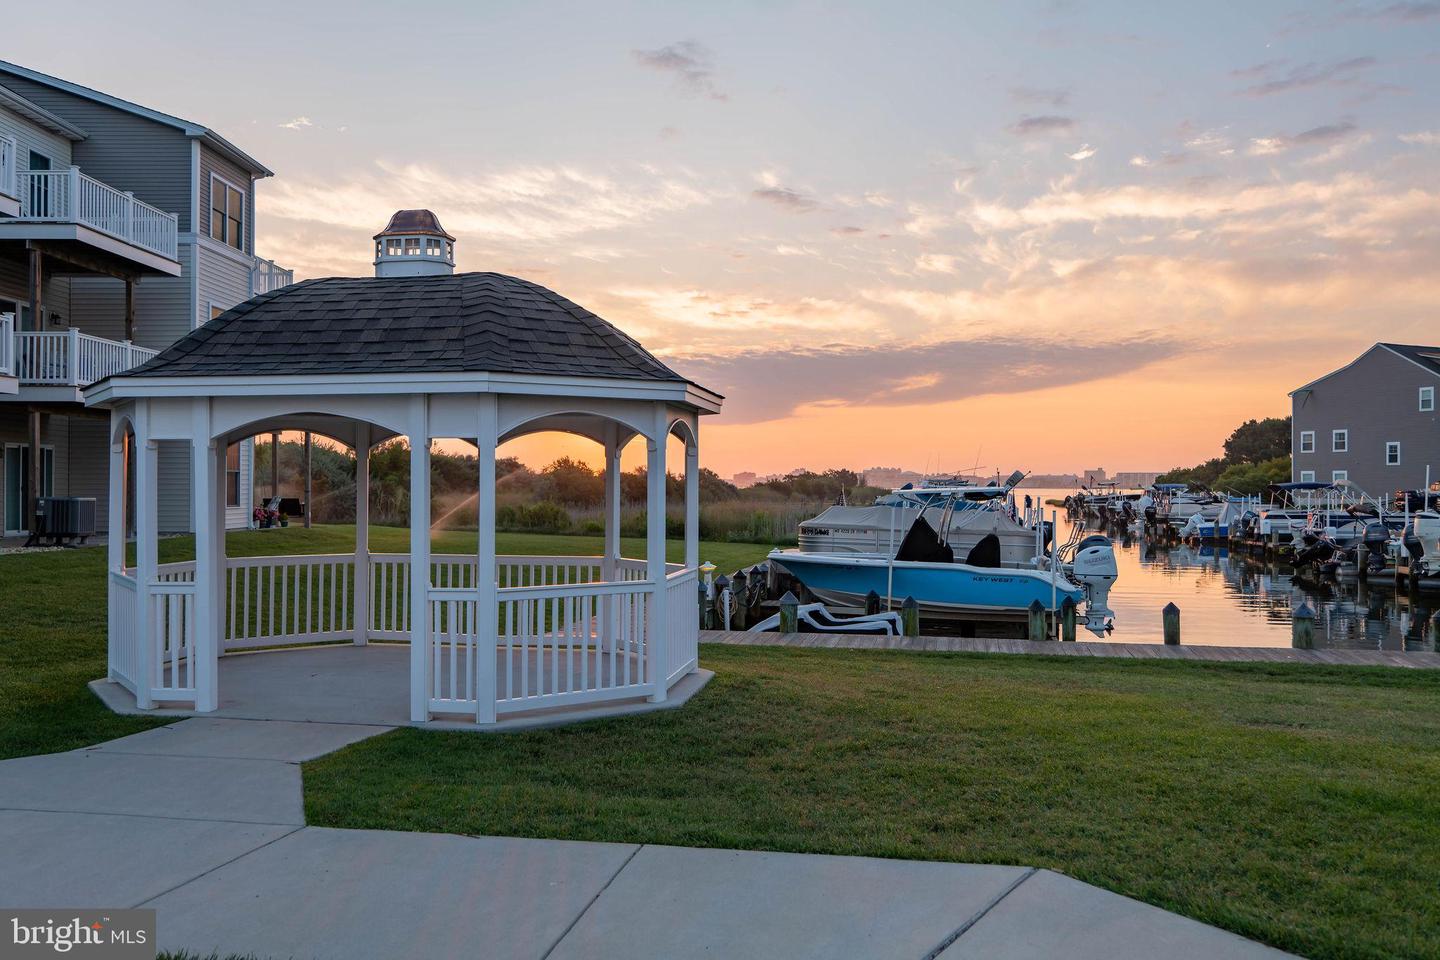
{"x":1314,"y":549}
{"x":1095,"y":570}
{"x":1192,"y":526}
{"x":1422,"y":539}
{"x":1376,"y":538}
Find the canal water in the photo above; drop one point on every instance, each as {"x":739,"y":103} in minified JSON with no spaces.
{"x":1228,"y":599}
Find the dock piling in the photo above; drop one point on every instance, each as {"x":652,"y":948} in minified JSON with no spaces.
{"x":704,"y":595}
{"x":789,"y":613}
{"x":1302,"y":627}
{"x":872,"y":603}
{"x":722,"y":602}
{"x":1067,"y":620}
{"x":1038,"y":627}
{"x":910,"y":617}
{"x":740,"y":590}
{"x":1171,"y":619}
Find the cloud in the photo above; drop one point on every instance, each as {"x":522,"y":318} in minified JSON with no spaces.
{"x":1303,"y":75}
{"x":847,"y":231}
{"x":669,"y":133}
{"x":909,"y":373}
{"x":1409,"y":12}
{"x":936,"y":263}
{"x":1084,"y":153}
{"x":1054,"y":96}
{"x":1166,"y":159}
{"x":1046,"y":124}
{"x":1424,"y":138}
{"x":689,"y":62}
{"x":299,"y":123}
{"x":1315,"y":136}
{"x":785,"y":198}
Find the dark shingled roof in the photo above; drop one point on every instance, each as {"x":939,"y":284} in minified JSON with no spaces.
{"x":465,"y":323}
{"x":1428,"y":357}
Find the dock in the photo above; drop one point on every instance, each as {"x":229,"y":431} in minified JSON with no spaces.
{"x":1418,"y":660}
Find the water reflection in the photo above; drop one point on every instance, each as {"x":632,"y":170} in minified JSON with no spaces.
{"x":1237,"y":600}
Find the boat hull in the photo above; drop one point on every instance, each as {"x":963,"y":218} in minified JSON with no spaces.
{"x":937,"y":587}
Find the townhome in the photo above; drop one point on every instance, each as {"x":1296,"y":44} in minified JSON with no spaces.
{"x":121,"y":229}
{"x":1372,"y":422}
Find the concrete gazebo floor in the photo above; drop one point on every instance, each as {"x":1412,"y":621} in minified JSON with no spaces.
{"x":343,"y":683}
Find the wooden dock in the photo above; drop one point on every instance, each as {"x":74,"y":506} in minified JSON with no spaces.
{"x":1133,"y":651}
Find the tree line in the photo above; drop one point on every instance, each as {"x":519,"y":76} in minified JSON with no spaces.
{"x":1256,"y":454}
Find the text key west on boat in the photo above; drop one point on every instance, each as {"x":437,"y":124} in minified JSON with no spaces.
{"x":958,"y":550}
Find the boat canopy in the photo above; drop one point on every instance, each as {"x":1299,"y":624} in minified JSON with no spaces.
{"x":1300,"y":485}
{"x":1171,"y":487}
{"x":969,"y":493}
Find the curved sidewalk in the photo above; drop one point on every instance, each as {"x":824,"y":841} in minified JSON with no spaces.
{"x":204,"y":821}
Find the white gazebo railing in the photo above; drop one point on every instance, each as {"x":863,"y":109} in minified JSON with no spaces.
{"x":8,"y":152}
{"x":564,"y":635}
{"x":69,"y":357}
{"x":69,"y":196}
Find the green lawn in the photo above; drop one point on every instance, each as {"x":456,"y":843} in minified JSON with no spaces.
{"x":1295,"y":805}
{"x":52,"y":620}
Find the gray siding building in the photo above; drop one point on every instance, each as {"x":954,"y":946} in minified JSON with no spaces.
{"x":1373,"y":422}
{"x":121,"y":230}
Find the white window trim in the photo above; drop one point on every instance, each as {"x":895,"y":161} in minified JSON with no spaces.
{"x":1307,"y":435}
{"x":1307,"y":476}
{"x":1337,"y":475}
{"x":1388,"y":445}
{"x":1336,"y":438}
{"x":1427,"y":400}
{"x":244,"y":213}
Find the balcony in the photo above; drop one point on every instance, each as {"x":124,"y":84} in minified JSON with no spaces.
{"x":69,"y":206}
{"x":267,"y":275}
{"x":9,"y":192}
{"x":54,"y":365}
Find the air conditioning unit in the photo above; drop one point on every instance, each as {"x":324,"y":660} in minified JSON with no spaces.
{"x":62,"y":519}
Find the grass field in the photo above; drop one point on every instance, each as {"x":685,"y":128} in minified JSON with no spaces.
{"x":52,"y":619}
{"x":1295,"y":805}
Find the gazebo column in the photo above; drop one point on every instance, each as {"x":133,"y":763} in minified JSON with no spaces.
{"x":115,"y":543}
{"x":361,"y":594}
{"x":487,"y":623}
{"x":209,"y":546}
{"x":609,"y":561}
{"x":146,"y":535}
{"x":419,"y":558}
{"x":692,"y":503}
{"x":655,"y":552}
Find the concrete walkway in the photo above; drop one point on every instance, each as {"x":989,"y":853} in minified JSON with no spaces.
{"x":203,"y":821}
{"x":1415,"y":660}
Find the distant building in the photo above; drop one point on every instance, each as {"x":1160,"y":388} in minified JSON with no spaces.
{"x":745,"y":478}
{"x":1097,"y":475}
{"x":1373,"y":422}
{"x":1136,"y":479}
{"x":889,"y":477}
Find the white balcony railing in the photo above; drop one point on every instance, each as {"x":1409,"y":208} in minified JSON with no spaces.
{"x":69,"y":357}
{"x":7,"y":345}
{"x":267,"y":275}
{"x":8,"y":152}
{"x":69,"y":196}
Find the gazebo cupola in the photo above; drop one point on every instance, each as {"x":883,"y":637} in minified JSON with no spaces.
{"x":413,"y":244}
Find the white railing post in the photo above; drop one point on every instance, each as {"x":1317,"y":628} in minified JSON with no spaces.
{"x":204,"y":642}
{"x":146,"y":534}
{"x":130,"y":216}
{"x":655,"y":660}
{"x":115,"y":546}
{"x":72,"y":196}
{"x":72,"y":359}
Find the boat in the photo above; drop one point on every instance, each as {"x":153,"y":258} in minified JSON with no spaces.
{"x":994,"y":577}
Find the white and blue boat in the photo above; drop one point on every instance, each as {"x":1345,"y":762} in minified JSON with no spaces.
{"x":968,"y":563}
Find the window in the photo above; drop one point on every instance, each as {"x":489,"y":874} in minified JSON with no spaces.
{"x":1340,"y":441}
{"x":1392,"y":453}
{"x":215,"y":310}
{"x":1427,"y":399}
{"x":1337,"y":475}
{"x":432,"y":247}
{"x":1307,"y":441}
{"x":232,"y":475}
{"x":412,"y":246}
{"x":1307,"y":476}
{"x":392,"y":248}
{"x":227,"y":213}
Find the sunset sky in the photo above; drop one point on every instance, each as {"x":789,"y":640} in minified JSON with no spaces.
{"x":1045,"y":236}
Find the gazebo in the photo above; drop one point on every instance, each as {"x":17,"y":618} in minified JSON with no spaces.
{"x":476,"y":357}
